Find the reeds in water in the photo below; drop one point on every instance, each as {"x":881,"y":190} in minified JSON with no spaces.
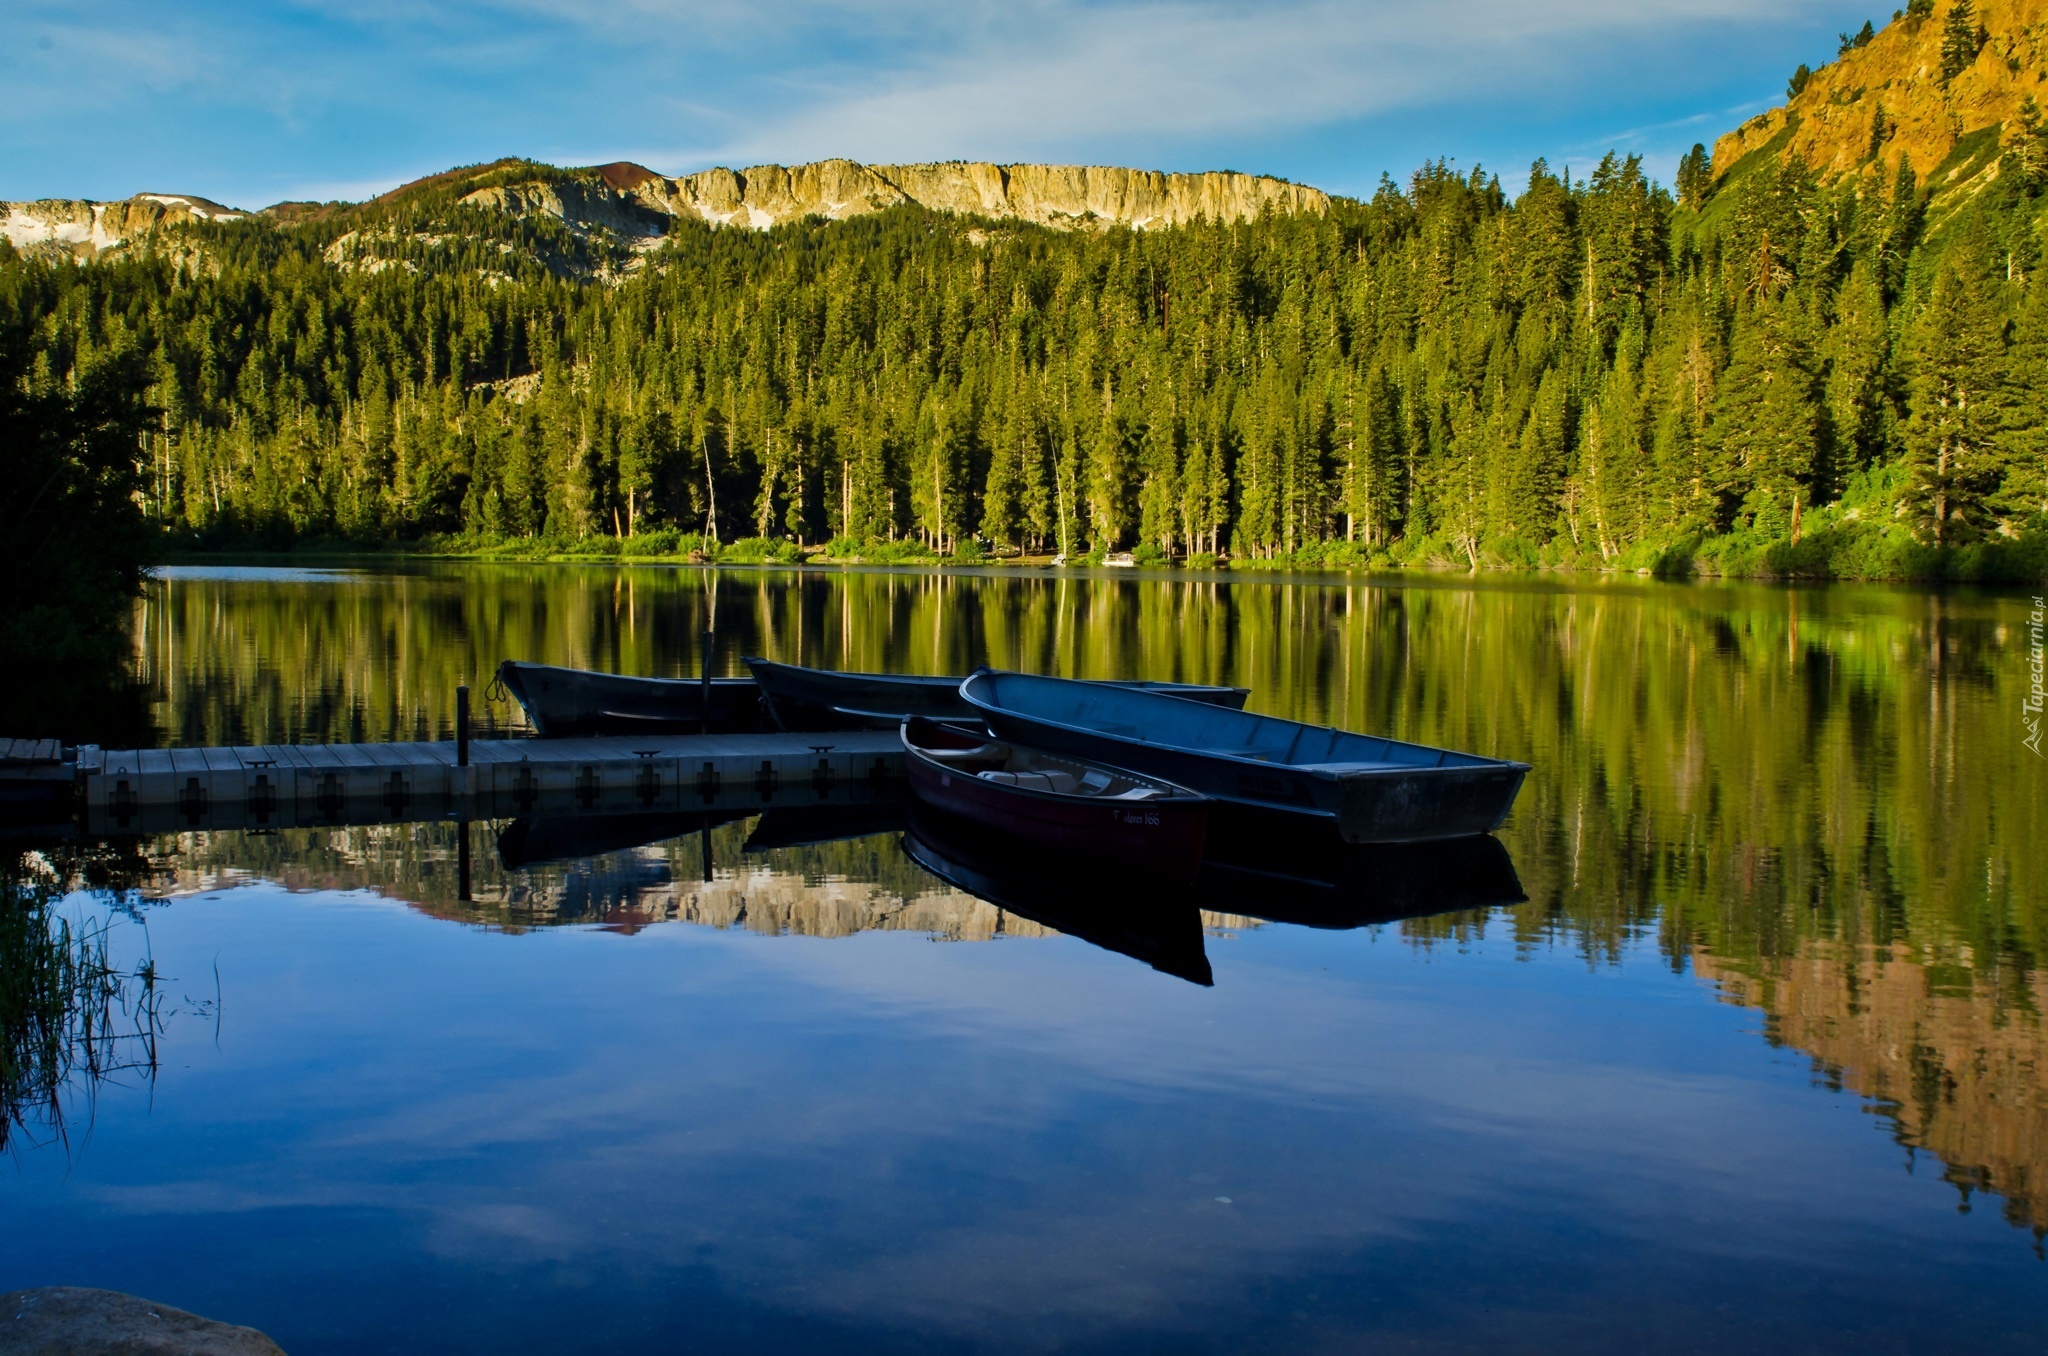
{"x":71,"y":1017}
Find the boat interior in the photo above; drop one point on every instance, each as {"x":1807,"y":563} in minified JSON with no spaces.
{"x":992,"y":760}
{"x":1236,"y":734}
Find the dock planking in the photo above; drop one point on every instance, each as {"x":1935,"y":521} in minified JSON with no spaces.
{"x":35,"y":775}
{"x":300,"y":785}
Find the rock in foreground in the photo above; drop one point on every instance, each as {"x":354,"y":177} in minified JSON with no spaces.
{"x":63,"y":1320}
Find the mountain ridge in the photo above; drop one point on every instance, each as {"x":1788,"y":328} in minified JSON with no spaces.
{"x":1895,"y":94}
{"x":85,"y":228}
{"x":638,"y":206}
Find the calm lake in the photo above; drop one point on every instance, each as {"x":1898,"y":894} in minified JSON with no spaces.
{"x":1758,"y":1064}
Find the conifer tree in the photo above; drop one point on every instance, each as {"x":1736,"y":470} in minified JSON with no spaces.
{"x":1159,"y":465}
{"x":1625,"y":242}
{"x":1765,"y":435}
{"x":1462,"y":484}
{"x":1956,"y":348}
{"x":2026,"y":154}
{"x":1858,"y":355}
{"x":1695,"y":177}
{"x":1960,"y":40}
{"x":1108,"y":478}
{"x":1617,"y":489}
{"x":1001,"y":510}
{"x":2023,"y":489}
{"x":1067,"y":472}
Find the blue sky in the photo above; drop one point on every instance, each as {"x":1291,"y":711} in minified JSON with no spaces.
{"x":256,"y":101}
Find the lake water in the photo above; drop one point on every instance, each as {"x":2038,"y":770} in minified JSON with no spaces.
{"x":1756,"y":1065}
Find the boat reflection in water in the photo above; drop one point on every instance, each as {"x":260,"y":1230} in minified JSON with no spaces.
{"x":1160,"y":922}
{"x":1117,"y":909}
{"x":1316,"y":883}
{"x":536,"y":839}
{"x":795,"y":826}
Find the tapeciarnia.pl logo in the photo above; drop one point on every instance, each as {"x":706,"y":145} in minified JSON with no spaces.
{"x":2031,"y":709}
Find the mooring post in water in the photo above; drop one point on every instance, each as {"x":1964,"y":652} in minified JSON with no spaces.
{"x":704,"y":691}
{"x":462,"y":860}
{"x":462,"y":725}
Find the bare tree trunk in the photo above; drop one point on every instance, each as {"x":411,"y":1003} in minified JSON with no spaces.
{"x":1941,"y":495}
{"x":710,"y":496}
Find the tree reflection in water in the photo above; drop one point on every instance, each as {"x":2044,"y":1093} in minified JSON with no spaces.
{"x":1817,"y":800}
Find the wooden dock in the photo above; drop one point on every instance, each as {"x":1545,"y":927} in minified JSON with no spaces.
{"x":296,"y":785}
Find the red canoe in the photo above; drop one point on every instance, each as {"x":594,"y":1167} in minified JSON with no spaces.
{"x":1056,"y":800}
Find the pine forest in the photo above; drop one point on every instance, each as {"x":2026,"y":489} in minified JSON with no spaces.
{"x":1760,"y":374}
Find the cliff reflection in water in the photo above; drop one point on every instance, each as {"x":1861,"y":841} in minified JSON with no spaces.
{"x":1818,"y":798}
{"x":825,"y":890}
{"x":1955,"y":1064}
{"x":941,"y":878}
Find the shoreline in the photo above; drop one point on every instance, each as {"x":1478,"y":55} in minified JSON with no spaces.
{"x":2014,"y":563}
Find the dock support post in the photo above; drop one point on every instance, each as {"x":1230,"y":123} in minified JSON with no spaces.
{"x":704,"y":692}
{"x":462,"y":863}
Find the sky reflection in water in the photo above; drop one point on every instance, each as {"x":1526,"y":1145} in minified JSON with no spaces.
{"x":416,"y":1134}
{"x":809,"y":1118}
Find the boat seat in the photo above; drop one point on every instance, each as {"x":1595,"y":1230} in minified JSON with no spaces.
{"x":1138,"y":793}
{"x":980,"y":753}
{"x":1063,"y":782}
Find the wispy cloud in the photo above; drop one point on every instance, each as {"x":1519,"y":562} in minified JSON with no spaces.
{"x":329,"y":93}
{"x":1053,"y":77}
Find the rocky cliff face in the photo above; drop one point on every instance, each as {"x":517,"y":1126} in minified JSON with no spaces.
{"x":1861,"y":113}
{"x":74,"y":228}
{"x":579,"y":203}
{"x":626,"y":209}
{"x":1048,"y":195}
{"x":635,"y":202}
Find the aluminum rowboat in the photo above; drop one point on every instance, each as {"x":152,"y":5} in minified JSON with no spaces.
{"x":563,"y":702}
{"x":1050,"y":801}
{"x":1371,"y":790}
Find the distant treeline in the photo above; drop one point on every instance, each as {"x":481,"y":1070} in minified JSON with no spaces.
{"x":1771,"y":374}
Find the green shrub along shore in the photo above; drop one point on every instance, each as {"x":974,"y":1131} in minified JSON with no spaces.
{"x":1838,"y":545}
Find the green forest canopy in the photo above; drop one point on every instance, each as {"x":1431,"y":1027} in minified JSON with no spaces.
{"x":1772,"y":373}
